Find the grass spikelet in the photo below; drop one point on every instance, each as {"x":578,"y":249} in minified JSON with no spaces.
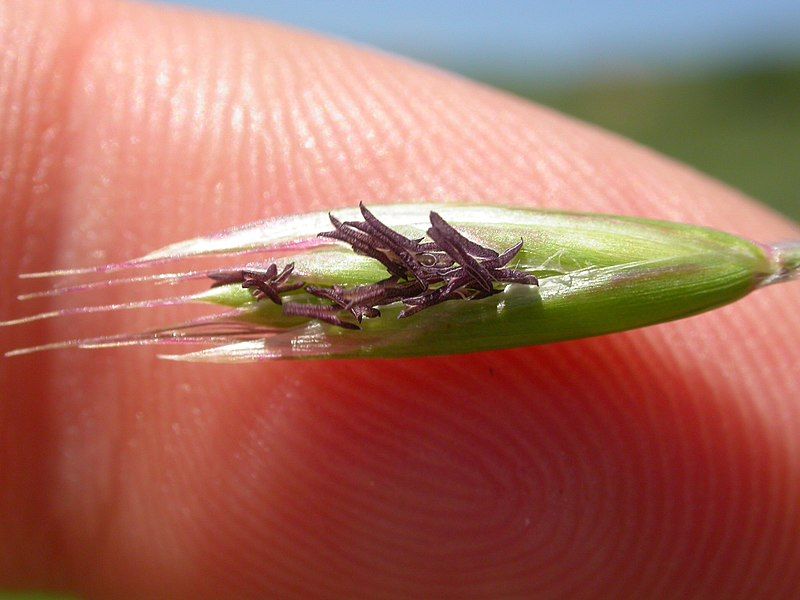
{"x":423,"y":279}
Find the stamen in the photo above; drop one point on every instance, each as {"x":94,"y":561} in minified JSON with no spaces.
{"x":482,"y":277}
{"x":468,"y":245}
{"x":466,"y":269}
{"x":327,"y":314}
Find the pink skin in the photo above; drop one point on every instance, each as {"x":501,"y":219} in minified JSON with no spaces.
{"x":656,"y":463}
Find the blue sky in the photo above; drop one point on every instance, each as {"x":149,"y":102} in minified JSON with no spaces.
{"x":550,"y":38}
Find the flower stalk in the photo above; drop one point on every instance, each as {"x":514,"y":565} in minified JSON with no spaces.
{"x":420,"y":279}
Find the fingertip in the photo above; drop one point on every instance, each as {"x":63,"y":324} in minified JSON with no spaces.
{"x":657,"y":461}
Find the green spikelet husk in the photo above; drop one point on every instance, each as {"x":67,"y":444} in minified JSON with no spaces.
{"x":598,"y":274}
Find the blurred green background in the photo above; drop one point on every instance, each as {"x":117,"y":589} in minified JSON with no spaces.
{"x":742,"y":127}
